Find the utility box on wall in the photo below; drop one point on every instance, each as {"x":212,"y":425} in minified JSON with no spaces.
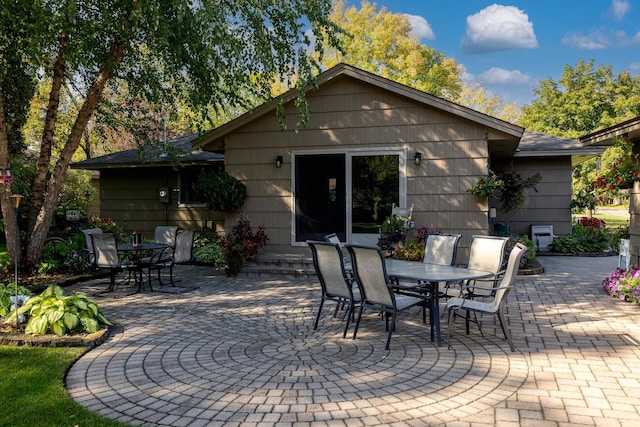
{"x":542,"y":236}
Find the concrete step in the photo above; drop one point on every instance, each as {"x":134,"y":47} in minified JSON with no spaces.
{"x":273,"y":266}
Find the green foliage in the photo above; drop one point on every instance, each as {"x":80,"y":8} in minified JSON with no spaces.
{"x":528,"y":257}
{"x":65,"y":255}
{"x":221,"y":191}
{"x":583,"y":239}
{"x":514,"y":193}
{"x":108,"y":225}
{"x":412,"y":251}
{"x":54,"y":312}
{"x":583,"y":100}
{"x":207,"y":249}
{"x":382,"y":42}
{"x":486,"y":186}
{"x":6,"y":292}
{"x":393,"y":223}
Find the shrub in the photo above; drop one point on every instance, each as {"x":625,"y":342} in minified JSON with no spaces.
{"x":6,"y":292}
{"x":241,"y":244}
{"x":207,"y":249}
{"x":583,"y":239}
{"x":68,"y":255}
{"x":54,"y":312}
{"x":527,"y":258}
{"x":221,"y":191}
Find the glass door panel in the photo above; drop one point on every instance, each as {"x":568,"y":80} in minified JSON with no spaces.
{"x":375,"y":184}
{"x":320,"y":196}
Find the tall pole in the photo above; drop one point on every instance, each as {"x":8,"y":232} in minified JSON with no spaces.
{"x":16,"y":198}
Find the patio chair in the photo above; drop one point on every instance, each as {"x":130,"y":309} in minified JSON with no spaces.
{"x":376,"y":290}
{"x":485,"y":253}
{"x":406,"y":214}
{"x":183,"y":252}
{"x":336,"y":284}
{"x":161,"y":258}
{"x":89,"y":244}
{"x":106,"y":255}
{"x":166,"y":234}
{"x":496,"y":306}
{"x":441,"y":249}
{"x":623,"y":254}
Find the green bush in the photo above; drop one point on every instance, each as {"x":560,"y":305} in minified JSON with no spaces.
{"x":527,"y":259}
{"x":54,"y":312}
{"x":65,"y":255}
{"x":221,"y":191}
{"x":6,"y":292}
{"x":583,"y":239}
{"x":207,"y":249}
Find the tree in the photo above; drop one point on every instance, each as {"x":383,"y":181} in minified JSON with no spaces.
{"x":217,"y":52}
{"x":583,"y":100}
{"x":475,"y":96}
{"x":381,"y":42}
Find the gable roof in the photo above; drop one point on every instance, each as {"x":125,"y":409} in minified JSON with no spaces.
{"x":501,"y":129}
{"x":153,"y":156}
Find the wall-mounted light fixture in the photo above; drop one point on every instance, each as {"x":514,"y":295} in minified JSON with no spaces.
{"x":279,"y":161}
{"x":417,"y":158}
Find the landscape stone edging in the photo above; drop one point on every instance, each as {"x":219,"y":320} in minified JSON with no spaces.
{"x":27,"y":340}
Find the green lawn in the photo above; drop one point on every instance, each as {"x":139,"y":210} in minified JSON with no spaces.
{"x":32,"y":389}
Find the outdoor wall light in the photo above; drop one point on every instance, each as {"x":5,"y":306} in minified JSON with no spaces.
{"x":279,"y":161}
{"x":417,"y":158}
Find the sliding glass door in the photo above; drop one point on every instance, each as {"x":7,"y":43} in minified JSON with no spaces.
{"x":349,"y":194}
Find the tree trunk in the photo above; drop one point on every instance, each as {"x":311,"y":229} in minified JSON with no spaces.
{"x":8,"y":213}
{"x":38,"y":186}
{"x":44,"y":215}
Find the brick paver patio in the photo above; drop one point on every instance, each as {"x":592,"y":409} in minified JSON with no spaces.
{"x":242,"y":351}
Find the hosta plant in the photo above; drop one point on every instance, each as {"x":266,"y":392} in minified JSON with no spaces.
{"x":6,"y":292}
{"x":55,"y":312}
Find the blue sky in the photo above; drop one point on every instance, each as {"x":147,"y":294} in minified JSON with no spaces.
{"x":509,"y":47}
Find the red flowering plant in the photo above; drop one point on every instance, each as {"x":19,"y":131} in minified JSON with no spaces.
{"x":621,"y":169}
{"x":592,"y":222}
{"x":242,"y":243}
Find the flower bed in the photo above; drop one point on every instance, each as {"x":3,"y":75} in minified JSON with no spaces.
{"x":624,"y":284}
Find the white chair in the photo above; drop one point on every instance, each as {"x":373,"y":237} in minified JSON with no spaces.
{"x":166,"y":234}
{"x":623,"y":255}
{"x":486,"y":253}
{"x":494,"y":307}
{"x":441,"y":249}
{"x":89,"y":243}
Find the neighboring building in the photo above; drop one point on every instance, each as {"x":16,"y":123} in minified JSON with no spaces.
{"x":142,"y":188}
{"x":355,"y":158}
{"x":629,"y":129}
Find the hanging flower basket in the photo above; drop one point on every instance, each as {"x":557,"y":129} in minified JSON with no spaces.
{"x":487,"y":186}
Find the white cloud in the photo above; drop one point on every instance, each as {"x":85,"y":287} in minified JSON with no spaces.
{"x":599,"y":39}
{"x":420,"y":27}
{"x":500,"y":76}
{"x":634,"y":68}
{"x":619,"y":9}
{"x":497,"y":28}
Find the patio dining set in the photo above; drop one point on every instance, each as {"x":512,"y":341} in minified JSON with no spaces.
{"x":363,"y":278}
{"x":138,"y":259}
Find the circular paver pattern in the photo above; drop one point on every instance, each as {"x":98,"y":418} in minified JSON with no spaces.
{"x":238,"y":352}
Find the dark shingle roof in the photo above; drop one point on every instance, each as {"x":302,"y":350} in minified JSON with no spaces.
{"x":535,"y":144}
{"x":152,"y":156}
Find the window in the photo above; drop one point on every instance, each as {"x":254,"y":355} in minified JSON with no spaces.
{"x":188,"y":177}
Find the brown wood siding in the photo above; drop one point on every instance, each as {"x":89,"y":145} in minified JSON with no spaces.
{"x":551,"y":204}
{"x":349,"y":115}
{"x":130,"y":197}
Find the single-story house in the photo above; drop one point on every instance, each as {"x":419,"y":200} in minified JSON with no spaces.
{"x":629,"y":129}
{"x":144,"y":188}
{"x":370,"y":143}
